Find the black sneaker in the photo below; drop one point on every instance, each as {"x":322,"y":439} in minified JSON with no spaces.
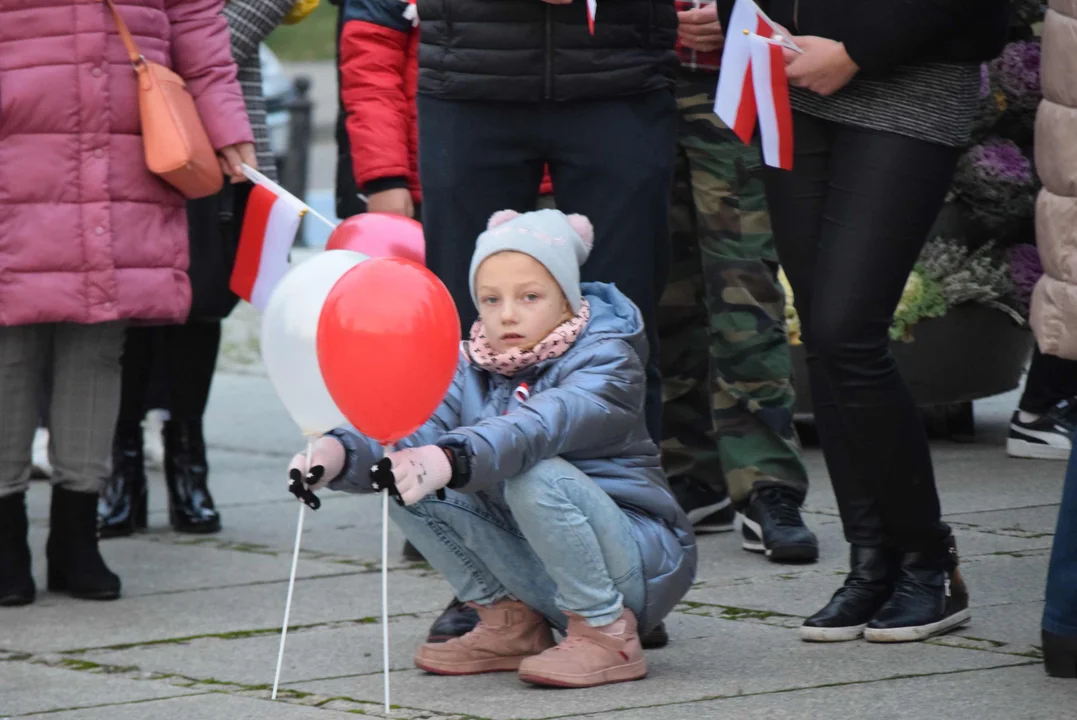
{"x":771,"y":524}
{"x":708,"y":510}
{"x":654,"y":639}
{"x":1049,"y":437}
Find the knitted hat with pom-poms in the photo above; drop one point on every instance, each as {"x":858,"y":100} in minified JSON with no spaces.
{"x":558,"y":241}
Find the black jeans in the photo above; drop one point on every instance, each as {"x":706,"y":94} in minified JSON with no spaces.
{"x":184,"y":358}
{"x":1050,"y":380}
{"x":849,"y":223}
{"x":610,"y":159}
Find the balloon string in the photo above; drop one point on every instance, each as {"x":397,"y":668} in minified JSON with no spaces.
{"x":385,"y":584}
{"x":291,"y":578}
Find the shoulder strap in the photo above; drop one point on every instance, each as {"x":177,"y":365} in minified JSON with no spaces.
{"x":125,"y":35}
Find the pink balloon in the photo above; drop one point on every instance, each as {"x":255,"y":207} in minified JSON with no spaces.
{"x":380,"y":235}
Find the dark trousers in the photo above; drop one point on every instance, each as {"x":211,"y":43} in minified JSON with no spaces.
{"x":1060,"y":612}
{"x":1050,"y":380}
{"x":184,"y":358}
{"x":610,"y":159}
{"x":849,"y":222}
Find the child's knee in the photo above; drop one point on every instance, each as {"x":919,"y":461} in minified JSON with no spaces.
{"x":542,"y":482}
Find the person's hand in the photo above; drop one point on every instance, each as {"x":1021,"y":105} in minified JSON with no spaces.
{"x":395,"y":202}
{"x":824,"y":67}
{"x":233,"y":156}
{"x":327,"y":462}
{"x":699,"y":29}
{"x":420,"y":471}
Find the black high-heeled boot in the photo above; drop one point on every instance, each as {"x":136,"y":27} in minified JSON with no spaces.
{"x":190,"y":506}
{"x":75,"y":562}
{"x":121,"y":509}
{"x":16,"y":581}
{"x":872,"y":573}
{"x":1059,"y":654}
{"x":930,"y":598}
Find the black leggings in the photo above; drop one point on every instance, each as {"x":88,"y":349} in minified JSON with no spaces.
{"x":849,"y":223}
{"x":1050,"y":381}
{"x":186,"y":355}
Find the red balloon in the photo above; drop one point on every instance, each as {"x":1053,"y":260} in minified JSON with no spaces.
{"x":380,"y":235}
{"x":388,"y":344}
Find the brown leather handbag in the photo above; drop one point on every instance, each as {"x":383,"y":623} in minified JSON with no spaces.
{"x":176,"y":145}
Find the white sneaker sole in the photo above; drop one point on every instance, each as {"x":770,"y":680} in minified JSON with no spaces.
{"x":835,"y":634}
{"x":701,"y":513}
{"x":755,"y":546}
{"x":1035,"y":451}
{"x":921,"y":632}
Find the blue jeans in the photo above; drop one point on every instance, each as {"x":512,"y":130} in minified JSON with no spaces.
{"x":550,"y":537}
{"x":1060,"y":612}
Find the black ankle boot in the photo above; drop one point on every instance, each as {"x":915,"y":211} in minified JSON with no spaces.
{"x":872,"y":573}
{"x":1059,"y":654}
{"x":458,"y":619}
{"x":930,"y":598}
{"x":121,"y":510}
{"x":190,"y":506}
{"x":75,"y":563}
{"x":16,"y":582}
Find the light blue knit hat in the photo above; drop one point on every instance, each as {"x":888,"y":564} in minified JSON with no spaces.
{"x":558,"y":241}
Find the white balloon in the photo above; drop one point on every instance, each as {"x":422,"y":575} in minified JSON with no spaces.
{"x":289,"y":339}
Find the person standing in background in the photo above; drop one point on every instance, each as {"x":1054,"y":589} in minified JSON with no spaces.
{"x":726,"y":371}
{"x":188,"y":352}
{"x":84,"y":255}
{"x":1054,"y":305}
{"x":508,"y":87}
{"x":885,"y":96}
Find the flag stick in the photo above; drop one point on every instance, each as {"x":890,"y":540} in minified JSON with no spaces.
{"x":259,"y":179}
{"x":291,"y":579}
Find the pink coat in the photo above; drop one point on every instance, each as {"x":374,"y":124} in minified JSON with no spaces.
{"x":87,"y":233}
{"x":1054,"y":301}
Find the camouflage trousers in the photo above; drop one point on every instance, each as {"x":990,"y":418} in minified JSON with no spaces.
{"x":727,"y":389}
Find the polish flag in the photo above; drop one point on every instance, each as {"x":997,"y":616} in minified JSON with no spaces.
{"x":592,"y":10}
{"x":735,"y":100}
{"x":772,"y":101}
{"x":269,"y":229}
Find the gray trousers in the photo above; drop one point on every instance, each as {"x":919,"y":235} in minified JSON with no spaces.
{"x":82,"y":365}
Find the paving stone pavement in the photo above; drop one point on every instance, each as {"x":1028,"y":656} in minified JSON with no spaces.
{"x":195,"y":635}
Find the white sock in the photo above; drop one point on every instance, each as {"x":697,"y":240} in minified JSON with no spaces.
{"x":1027,"y":417}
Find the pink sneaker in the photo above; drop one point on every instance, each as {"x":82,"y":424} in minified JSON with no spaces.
{"x":590,"y":656}
{"x":508,"y":631}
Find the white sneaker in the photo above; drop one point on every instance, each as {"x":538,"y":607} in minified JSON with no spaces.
{"x":1048,"y":437}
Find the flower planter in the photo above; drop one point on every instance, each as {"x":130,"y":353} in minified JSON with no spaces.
{"x":969,"y":353}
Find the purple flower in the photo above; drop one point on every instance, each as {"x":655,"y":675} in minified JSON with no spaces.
{"x":1001,"y":160}
{"x":1017,"y":72}
{"x":985,"y":81}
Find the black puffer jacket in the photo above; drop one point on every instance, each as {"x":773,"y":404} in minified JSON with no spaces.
{"x":529,"y":50}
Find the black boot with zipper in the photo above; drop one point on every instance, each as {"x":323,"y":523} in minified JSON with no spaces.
{"x":930,"y":598}
{"x":121,"y":510}
{"x":190,"y":506}
{"x":16,"y":581}
{"x":869,"y":584}
{"x":75,"y":563}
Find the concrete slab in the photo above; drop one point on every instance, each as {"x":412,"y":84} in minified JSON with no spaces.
{"x":57,"y":622}
{"x":311,"y":654}
{"x":149,"y":567}
{"x":741,"y":658}
{"x":1025,"y":693}
{"x":993,"y":579}
{"x":27,"y":688}
{"x":212,"y":706}
{"x":1030,"y":522}
{"x":1005,"y":628}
